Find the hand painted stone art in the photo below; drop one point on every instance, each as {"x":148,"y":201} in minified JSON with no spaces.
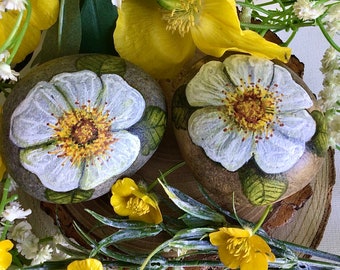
{"x":245,"y":126}
{"x":77,"y":124}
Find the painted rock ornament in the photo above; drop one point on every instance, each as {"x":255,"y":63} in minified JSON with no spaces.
{"x":244,"y":127}
{"x":74,"y":125}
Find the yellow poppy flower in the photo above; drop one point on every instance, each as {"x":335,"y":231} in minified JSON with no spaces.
{"x":161,"y":40}
{"x":130,"y":200}
{"x":87,"y":264}
{"x":5,"y":256}
{"x":44,"y":15}
{"x":240,"y":248}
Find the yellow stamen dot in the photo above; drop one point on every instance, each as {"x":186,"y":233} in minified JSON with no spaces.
{"x":253,"y":107}
{"x":183,"y":17}
{"x":83,"y":134}
{"x":138,"y":206}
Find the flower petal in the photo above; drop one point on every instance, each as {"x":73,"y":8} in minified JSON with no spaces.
{"x":278,"y":153}
{"x":141,"y":38}
{"x":43,"y":105}
{"x":80,"y":88}
{"x":208,"y":85}
{"x":123,"y":152}
{"x":294,"y":96}
{"x":256,"y":260}
{"x":218,"y":30}
{"x":299,"y":125}
{"x":249,"y":69}
{"x":124,"y":103}
{"x":44,"y":13}
{"x":123,"y":187}
{"x":207,"y":129}
{"x":55,"y":173}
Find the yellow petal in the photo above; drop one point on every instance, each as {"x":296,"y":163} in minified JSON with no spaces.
{"x":124,"y":187}
{"x":5,"y":256}
{"x":219,"y":31}
{"x":87,"y":264}
{"x":141,"y":38}
{"x":256,"y":261}
{"x":44,"y":13}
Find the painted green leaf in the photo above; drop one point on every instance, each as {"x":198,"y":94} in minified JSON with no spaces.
{"x":102,"y":64}
{"x":98,"y":21}
{"x":67,"y":42}
{"x":150,"y":129}
{"x":319,"y":142}
{"x":72,"y":196}
{"x":261,"y":188}
{"x":181,"y":110}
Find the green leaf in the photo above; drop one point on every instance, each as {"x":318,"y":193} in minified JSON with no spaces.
{"x":102,"y":64}
{"x":125,"y":235}
{"x":72,"y":196}
{"x":98,"y":20}
{"x":68,"y":42}
{"x":191,"y":206}
{"x":181,"y":110}
{"x":150,"y":129}
{"x":261,"y":188}
{"x":192,"y":245}
{"x":121,"y":223}
{"x":319,"y":142}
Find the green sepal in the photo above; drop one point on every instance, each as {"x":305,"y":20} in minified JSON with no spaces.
{"x":72,"y":196}
{"x":150,"y":129}
{"x":170,"y":4}
{"x":64,"y":37}
{"x":319,"y":142}
{"x":98,"y":21}
{"x":102,"y":64}
{"x":191,"y":206}
{"x":181,"y":109}
{"x":261,"y":188}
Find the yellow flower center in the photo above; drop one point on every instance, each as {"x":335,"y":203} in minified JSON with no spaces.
{"x":137,"y":206}
{"x":238,"y":247}
{"x":183,"y":16}
{"x":83,"y":134}
{"x":253,"y":107}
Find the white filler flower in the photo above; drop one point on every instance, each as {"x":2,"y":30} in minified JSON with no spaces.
{"x":72,"y":130}
{"x":251,"y":107}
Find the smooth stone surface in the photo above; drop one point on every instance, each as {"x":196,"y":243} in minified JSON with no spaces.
{"x":100,"y":64}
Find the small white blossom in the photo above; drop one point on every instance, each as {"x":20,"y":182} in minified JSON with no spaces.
{"x":29,"y":247}
{"x":19,"y":5}
{"x":6,"y":73}
{"x":308,"y":10}
{"x":5,"y":54}
{"x":334,"y":128}
{"x":14,"y":211}
{"x":117,"y":3}
{"x":2,"y":9}
{"x":331,"y":20}
{"x":330,"y":60}
{"x":20,"y":231}
{"x":44,"y":254}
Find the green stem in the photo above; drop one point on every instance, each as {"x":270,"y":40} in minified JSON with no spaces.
{"x":327,"y":36}
{"x":11,"y":37}
{"x":21,"y":33}
{"x":60,"y":23}
{"x":262,"y":219}
{"x":165,"y":174}
{"x":291,"y":37}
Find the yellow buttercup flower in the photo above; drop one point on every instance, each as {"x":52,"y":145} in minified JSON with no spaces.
{"x":87,"y":264}
{"x":44,"y":15}
{"x":162,"y":39}
{"x":5,"y":256}
{"x":130,"y":200}
{"x":241,"y":248}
